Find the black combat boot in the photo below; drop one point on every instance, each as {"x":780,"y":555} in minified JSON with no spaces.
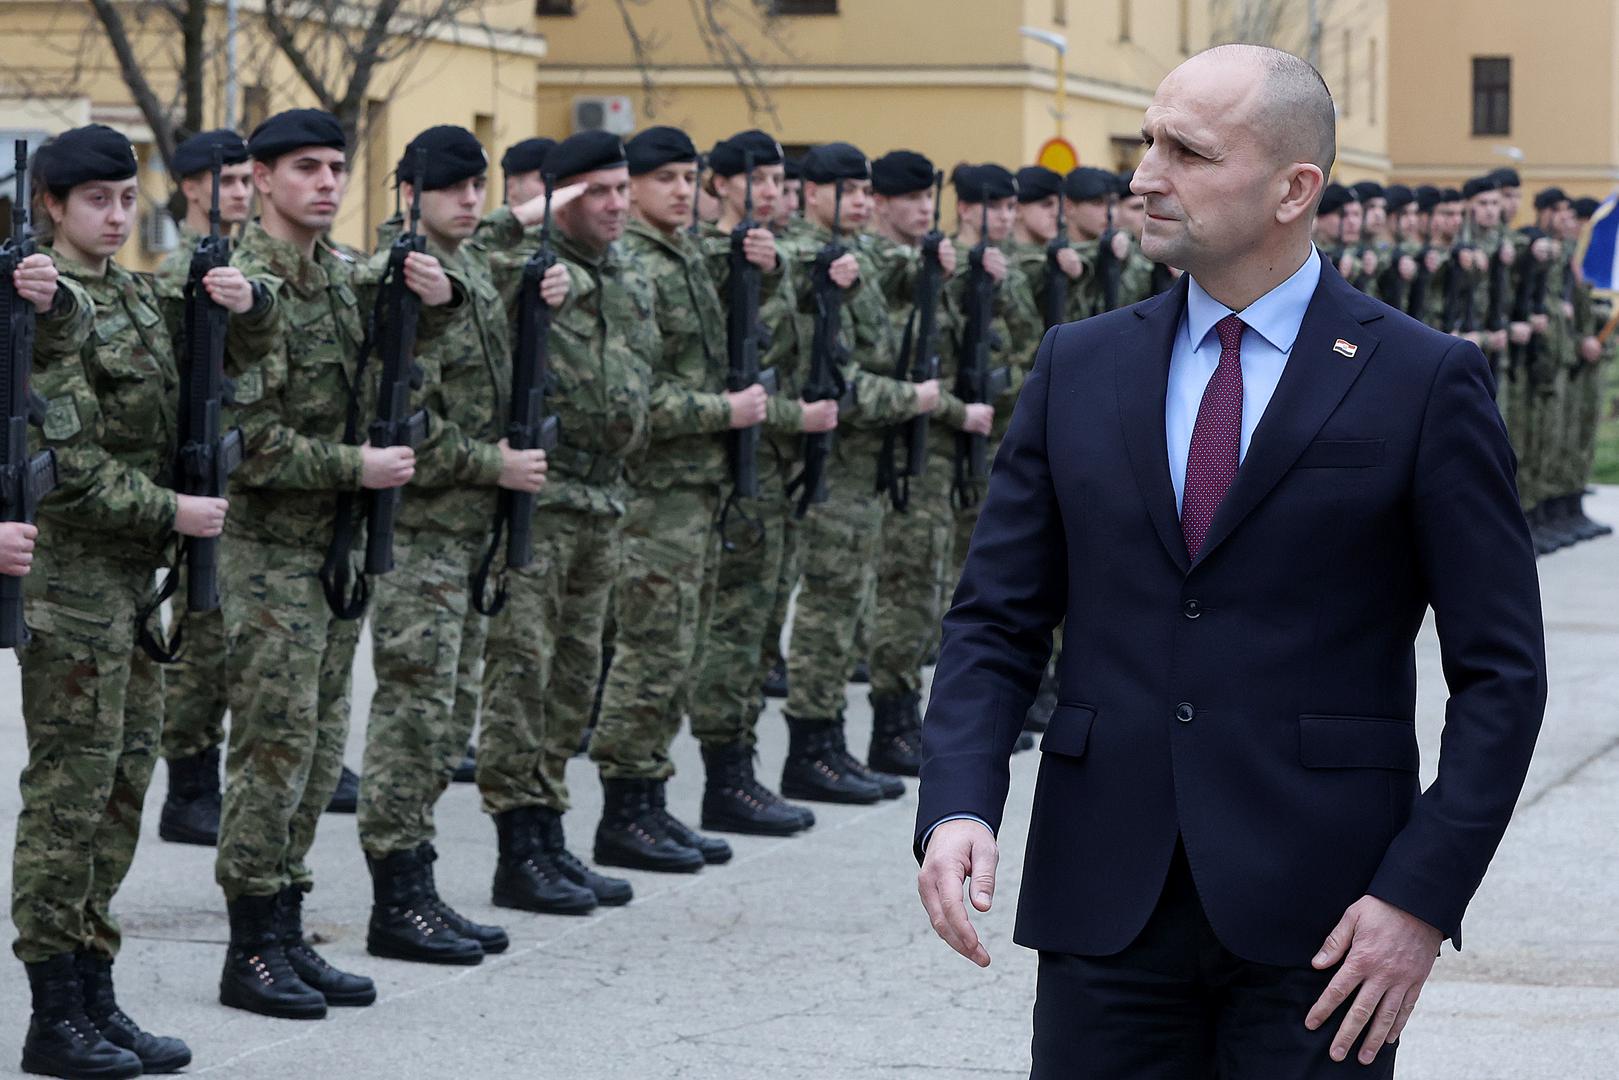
{"x":158,"y":1053}
{"x":492,"y":938}
{"x":346,"y":799}
{"x":609,"y":891}
{"x":735,"y":801}
{"x":258,"y":977}
{"x":775,"y":684}
{"x":896,"y":735}
{"x":405,"y":924}
{"x":632,"y":833}
{"x":336,"y":986}
{"x":1539,"y":535}
{"x":467,"y":771}
{"x":861,"y":674}
{"x":1558,"y":524}
{"x":527,"y":876}
{"x":816,"y":772}
{"x":62,"y":1039}
{"x":891,"y":786}
{"x":1582,"y":527}
{"x":1597,"y":528}
{"x":714,"y":850}
{"x":1038,"y":718}
{"x":191,"y":810}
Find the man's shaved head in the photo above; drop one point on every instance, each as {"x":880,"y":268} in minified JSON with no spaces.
{"x":1291,"y":107}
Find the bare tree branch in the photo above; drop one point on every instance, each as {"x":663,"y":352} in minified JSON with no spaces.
{"x":140,"y":88}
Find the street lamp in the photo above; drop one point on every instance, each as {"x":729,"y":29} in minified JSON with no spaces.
{"x":1060,"y":43}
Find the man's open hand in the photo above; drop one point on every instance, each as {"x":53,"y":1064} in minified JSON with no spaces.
{"x":1386,"y":952}
{"x":959,"y":850}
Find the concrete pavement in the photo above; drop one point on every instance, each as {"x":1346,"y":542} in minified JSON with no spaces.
{"x":810,"y":957}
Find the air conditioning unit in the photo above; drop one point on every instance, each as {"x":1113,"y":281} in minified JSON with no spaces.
{"x":159,"y":233}
{"x":614,"y":114}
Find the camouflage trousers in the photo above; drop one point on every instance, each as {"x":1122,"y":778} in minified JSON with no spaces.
{"x":194,"y":694}
{"x":661,"y":605}
{"x":917,"y":549}
{"x":1515,"y":400}
{"x":788,"y":568}
{"x":839,"y":541}
{"x":1587,"y":420}
{"x":290,"y":662}
{"x":92,"y":704}
{"x":750,"y":584}
{"x":423,"y":627}
{"x":1548,"y":409}
{"x":543,"y":659}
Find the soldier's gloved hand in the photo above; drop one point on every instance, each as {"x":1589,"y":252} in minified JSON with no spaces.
{"x":17,"y":548}
{"x":198,"y":515}
{"x":819,"y":416}
{"x":980,"y":419}
{"x":35,"y":281}
{"x":1538,"y":323}
{"x":1121,"y":245}
{"x":1520,"y":333}
{"x":554,"y":286}
{"x":927,"y":395}
{"x":1433,"y":260}
{"x":1408,"y":268}
{"x":995,"y":263}
{"x":229,"y":289}
{"x":759,"y":246}
{"x":947,"y":256}
{"x":1068,"y":262}
{"x":844,"y":272}
{"x":747,"y":406}
{"x":426,"y":278}
{"x":521,"y":470}
{"x":386,"y":466}
{"x":1591,"y":349}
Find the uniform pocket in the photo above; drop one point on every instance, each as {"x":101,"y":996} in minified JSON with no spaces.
{"x":1358,"y":742}
{"x":1069,"y":733}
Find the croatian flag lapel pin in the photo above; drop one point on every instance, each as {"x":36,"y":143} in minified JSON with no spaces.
{"x":1344,"y":348}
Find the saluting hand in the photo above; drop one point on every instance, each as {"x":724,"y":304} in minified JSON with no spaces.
{"x":229,"y":289}
{"x":1068,"y":262}
{"x":17,"y":547}
{"x":426,"y":278}
{"x":554,"y":286}
{"x":819,"y":416}
{"x":199,"y":515}
{"x":844,"y":271}
{"x":959,"y":851}
{"x":384,"y":467}
{"x":35,"y":281}
{"x":1389,"y":954}
{"x":522,"y":470}
{"x":759,"y":247}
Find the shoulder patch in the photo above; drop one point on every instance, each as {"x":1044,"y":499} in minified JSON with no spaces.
{"x":249,"y":387}
{"x":61,"y":418}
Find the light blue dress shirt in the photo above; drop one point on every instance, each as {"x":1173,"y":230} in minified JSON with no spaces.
{"x":1271,"y":326}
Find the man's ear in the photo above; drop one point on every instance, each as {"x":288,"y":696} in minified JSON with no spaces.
{"x":1304,"y":182}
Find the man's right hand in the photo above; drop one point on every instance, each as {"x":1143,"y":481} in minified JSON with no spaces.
{"x":957,"y":851}
{"x":819,"y":416}
{"x":980,"y":419}
{"x":521,"y":470}
{"x":384,"y":467}
{"x":198,"y":515}
{"x":747,"y":406}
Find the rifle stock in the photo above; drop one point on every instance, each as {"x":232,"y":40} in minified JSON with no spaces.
{"x":825,"y":381}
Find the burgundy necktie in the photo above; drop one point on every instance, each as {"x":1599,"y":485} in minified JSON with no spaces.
{"x":1211,"y":465}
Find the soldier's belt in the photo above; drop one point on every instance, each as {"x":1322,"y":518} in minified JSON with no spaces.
{"x":597,"y":470}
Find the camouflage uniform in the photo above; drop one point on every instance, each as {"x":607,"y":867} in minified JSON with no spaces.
{"x":289,"y":658}
{"x":840,"y":537}
{"x":91,"y":698}
{"x":671,"y":546}
{"x":542,"y":659}
{"x":426,"y":636}
{"x":194,"y":698}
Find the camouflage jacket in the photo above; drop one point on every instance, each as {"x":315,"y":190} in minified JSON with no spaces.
{"x":778,"y":314}
{"x":1017,"y":329}
{"x":106,"y":368}
{"x":688,"y":407}
{"x":897,"y":267}
{"x":1084,"y":297}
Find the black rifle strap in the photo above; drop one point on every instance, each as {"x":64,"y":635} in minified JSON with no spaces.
{"x":480,"y":577}
{"x":755,"y":527}
{"x":161,"y":651}
{"x":891,"y":479}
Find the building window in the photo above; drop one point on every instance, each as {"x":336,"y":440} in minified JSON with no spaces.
{"x":1124,"y":20}
{"x":554,"y":7}
{"x":1492,"y":95}
{"x":804,"y":7}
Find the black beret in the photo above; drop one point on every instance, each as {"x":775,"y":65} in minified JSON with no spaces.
{"x":1506,"y":176}
{"x":794,"y":168}
{"x":526,"y":156}
{"x":1549,"y":197}
{"x":835,"y":161}
{"x":656,"y":147}
{"x":1086,"y":183}
{"x":1450,"y":195}
{"x":452,"y":154}
{"x":196,"y":154}
{"x":1399,"y":196}
{"x":1036,"y":182}
{"x":1335,"y":198}
{"x":1478,"y":186}
{"x":82,"y":155}
{"x":1367,"y":190}
{"x":1428,"y":197}
{"x":983,"y":183}
{"x":900,"y":172}
{"x":585,"y":152}
{"x":729,"y":157}
{"x":1585,"y":208}
{"x":294,"y":129}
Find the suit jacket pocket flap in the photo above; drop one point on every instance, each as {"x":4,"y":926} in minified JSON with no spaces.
{"x":1069,"y":732}
{"x":1341,"y":454}
{"x":1357,"y":742}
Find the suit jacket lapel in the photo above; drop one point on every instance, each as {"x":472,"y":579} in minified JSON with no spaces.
{"x":1141,"y":379}
{"x":1314,"y":381}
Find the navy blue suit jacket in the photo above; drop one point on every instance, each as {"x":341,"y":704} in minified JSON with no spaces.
{"x":1258,"y":701}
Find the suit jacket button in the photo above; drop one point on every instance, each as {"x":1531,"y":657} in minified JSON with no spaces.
{"x":1184,"y":712}
{"x":1192,"y":608}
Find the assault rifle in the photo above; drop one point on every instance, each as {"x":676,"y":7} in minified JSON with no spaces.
{"x":1108,"y":267}
{"x":1054,"y":290}
{"x":827,"y":356}
{"x":1417,"y":298}
{"x":976,"y":382}
{"x":528,"y":427}
{"x":745,"y":336}
{"x":918,"y":362}
{"x":25,"y":478}
{"x":1459,"y":314}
